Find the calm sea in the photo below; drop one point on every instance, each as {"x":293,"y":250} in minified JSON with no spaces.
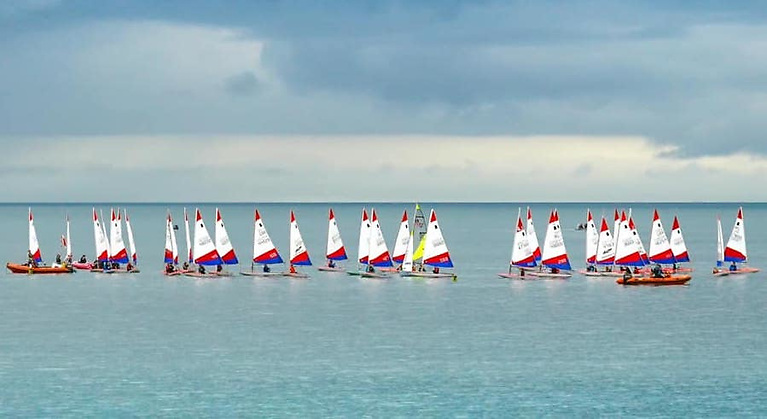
{"x":146,"y":345}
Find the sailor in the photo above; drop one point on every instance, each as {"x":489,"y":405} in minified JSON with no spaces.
{"x":331,"y":263}
{"x":627,"y":275}
{"x":267,"y":269}
{"x":657,"y":271}
{"x":292,"y":269}
{"x":436,"y":270}
{"x":185,"y":266}
{"x":58,"y":258}
{"x":201,"y":269}
{"x":733,"y":267}
{"x":83,"y":259}
{"x":219,"y":268}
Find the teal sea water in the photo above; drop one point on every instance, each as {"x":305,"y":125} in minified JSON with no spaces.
{"x":98,"y":345}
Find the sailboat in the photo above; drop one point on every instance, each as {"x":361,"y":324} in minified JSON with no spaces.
{"x":521,"y":254}
{"x":407,"y":262}
{"x":34,"y":263}
{"x":419,"y":228}
{"x":204,"y":249}
{"x":102,"y":247}
{"x":719,"y":269}
{"x":660,"y":247}
{"x":378,"y":252}
{"x":299,"y":255}
{"x":554,"y":255}
{"x":638,"y":239}
{"x":435,"y":252}
{"x":592,"y":239}
{"x":403,"y":237}
{"x":264,"y":251}
{"x":131,"y":242}
{"x":735,"y":251}
{"x":363,"y":249}
{"x":335,"y":250}
{"x":605,"y":251}
{"x":678,"y":247}
{"x":118,"y":253}
{"x":223,"y":245}
{"x":532,"y":237}
{"x":169,"y":258}
{"x":189,"y":253}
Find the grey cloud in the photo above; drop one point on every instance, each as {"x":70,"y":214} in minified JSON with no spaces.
{"x":242,"y":84}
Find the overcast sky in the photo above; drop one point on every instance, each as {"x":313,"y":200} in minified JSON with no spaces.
{"x":382,"y":100}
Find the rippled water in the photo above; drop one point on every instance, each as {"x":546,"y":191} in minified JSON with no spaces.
{"x":96,"y":345}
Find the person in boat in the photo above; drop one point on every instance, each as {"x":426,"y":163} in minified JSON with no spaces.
{"x":674,"y":267}
{"x":636,"y":270}
{"x":627,"y":275}
{"x":292,"y":269}
{"x":331,"y":263}
{"x":608,"y":269}
{"x":657,"y":271}
{"x":185,"y":266}
{"x":436,"y":270}
{"x":591,"y":268}
{"x":733,"y":267}
{"x":201,"y":269}
{"x":522,"y":272}
{"x":83,"y":259}
{"x":370,"y":268}
{"x":129,"y":267}
{"x":31,"y":259}
{"x":267,"y":269}
{"x":219,"y":268}
{"x":169,"y":268}
{"x":58,"y":258}
{"x":555,"y":270}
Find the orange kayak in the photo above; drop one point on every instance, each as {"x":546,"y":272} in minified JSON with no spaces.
{"x":24,"y":269}
{"x":668,"y":280}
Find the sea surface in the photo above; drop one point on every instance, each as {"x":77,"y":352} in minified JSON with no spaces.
{"x":86,"y":345}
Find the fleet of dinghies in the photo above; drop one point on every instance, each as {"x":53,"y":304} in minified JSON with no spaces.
{"x":420,"y":249}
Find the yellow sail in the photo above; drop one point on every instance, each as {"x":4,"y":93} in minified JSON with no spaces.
{"x":419,"y":251}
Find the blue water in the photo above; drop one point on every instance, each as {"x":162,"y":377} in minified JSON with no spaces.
{"x":144,"y":344}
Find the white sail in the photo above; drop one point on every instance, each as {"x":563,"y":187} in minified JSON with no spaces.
{"x":532,"y":237}
{"x":168,"y":240}
{"x":554,"y":250}
{"x":521,"y":253}
{"x":118,"y":253}
{"x":264,"y":251}
{"x":102,"y":252}
{"x":335,"y":249}
{"x":173,"y":241}
{"x":403,"y":236}
{"x":407,"y":262}
{"x":69,"y":242}
{"x":378,"y":252}
{"x":363,"y":249}
{"x":660,"y":247}
{"x":627,"y":250}
{"x":719,"y":243}
{"x":736,"y":245}
{"x":131,"y":240}
{"x":223,"y":245}
{"x":189,"y":256}
{"x":606,"y":245}
{"x":678,"y":247}
{"x":299,"y":255}
{"x":34,"y":246}
{"x":435,"y":252}
{"x":592,"y":239}
{"x":204,"y":248}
